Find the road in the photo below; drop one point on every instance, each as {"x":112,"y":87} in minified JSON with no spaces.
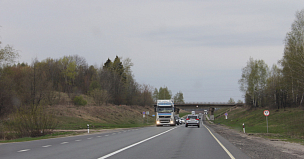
{"x":148,"y":142}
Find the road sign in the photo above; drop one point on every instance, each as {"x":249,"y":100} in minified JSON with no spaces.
{"x":153,"y":115}
{"x":266,"y":112}
{"x":147,"y":112}
{"x":144,"y":115}
{"x":144,"y":112}
{"x":226,"y":115}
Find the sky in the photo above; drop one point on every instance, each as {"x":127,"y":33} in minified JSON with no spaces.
{"x":197,"y":47}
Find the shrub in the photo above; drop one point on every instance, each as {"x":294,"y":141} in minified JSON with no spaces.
{"x":78,"y":100}
{"x":31,"y":122}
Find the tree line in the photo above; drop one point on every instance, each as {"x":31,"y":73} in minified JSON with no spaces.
{"x":281,"y":85}
{"x":164,"y":93}
{"x":42,"y":82}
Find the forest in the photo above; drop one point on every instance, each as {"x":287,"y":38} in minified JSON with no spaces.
{"x":282,"y":85}
{"x":42,"y":82}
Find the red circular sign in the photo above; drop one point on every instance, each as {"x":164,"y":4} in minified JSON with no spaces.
{"x":266,"y":112}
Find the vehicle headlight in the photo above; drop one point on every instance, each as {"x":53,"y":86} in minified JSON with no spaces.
{"x":171,"y":122}
{"x":157,"y":122}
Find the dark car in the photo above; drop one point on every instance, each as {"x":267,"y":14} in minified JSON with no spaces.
{"x":176,"y":120}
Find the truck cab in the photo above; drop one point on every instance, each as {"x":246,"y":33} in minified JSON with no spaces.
{"x":165,"y":113}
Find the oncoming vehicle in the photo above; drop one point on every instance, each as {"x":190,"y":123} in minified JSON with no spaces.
{"x":166,"y":113}
{"x":183,"y":120}
{"x":193,"y":120}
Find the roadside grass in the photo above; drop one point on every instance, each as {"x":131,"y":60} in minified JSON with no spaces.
{"x":285,"y":124}
{"x":48,"y":136}
{"x":74,"y":123}
{"x":183,"y":114}
{"x":220,"y":112}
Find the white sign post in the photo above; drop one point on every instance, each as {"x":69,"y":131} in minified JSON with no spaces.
{"x":266,"y":113}
{"x":226,"y":115}
{"x":88,"y":128}
{"x":244,"y":127}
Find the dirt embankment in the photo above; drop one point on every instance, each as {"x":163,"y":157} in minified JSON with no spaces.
{"x":257,"y":147}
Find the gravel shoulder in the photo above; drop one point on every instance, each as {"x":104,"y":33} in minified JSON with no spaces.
{"x":257,"y":147}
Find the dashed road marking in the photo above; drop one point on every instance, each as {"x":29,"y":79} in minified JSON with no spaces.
{"x":98,"y":136}
{"x":47,"y":146}
{"x":77,"y":140}
{"x":106,"y":135}
{"x":90,"y":138}
{"x":24,"y":150}
{"x":125,"y":148}
{"x":64,"y":143}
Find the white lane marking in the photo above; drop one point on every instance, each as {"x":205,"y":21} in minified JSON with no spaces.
{"x":229,"y":154}
{"x":106,"y":135}
{"x":90,"y":138}
{"x":24,"y":150}
{"x":77,"y":140}
{"x":47,"y":146}
{"x":98,"y":136}
{"x":64,"y":143}
{"x":116,"y":152}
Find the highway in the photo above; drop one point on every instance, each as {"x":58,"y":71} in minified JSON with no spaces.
{"x":148,"y":142}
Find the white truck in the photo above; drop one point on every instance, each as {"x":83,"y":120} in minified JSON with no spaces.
{"x":165,"y":113}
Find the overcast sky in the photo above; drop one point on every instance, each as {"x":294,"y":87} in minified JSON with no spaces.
{"x":198,"y":47}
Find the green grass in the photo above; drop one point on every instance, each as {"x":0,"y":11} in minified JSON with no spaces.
{"x":72,"y":123}
{"x":48,"y":136}
{"x":183,"y":114}
{"x":287,"y":125}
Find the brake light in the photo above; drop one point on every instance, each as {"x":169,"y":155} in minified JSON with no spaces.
{"x":187,"y":119}
{"x":196,"y":119}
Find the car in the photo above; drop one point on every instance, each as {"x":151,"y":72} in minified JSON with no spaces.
{"x":176,"y":120}
{"x":182,"y":120}
{"x":192,"y":120}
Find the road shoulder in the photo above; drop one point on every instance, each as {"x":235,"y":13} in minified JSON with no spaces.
{"x":257,"y":147}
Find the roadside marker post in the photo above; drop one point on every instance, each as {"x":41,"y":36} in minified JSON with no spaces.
{"x":88,"y":128}
{"x":244,"y":127}
{"x":266,"y":113}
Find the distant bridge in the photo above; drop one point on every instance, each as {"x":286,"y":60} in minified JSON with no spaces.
{"x":205,"y":105}
{"x":200,"y":107}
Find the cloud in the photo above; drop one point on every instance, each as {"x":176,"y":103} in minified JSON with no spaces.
{"x":212,"y":36}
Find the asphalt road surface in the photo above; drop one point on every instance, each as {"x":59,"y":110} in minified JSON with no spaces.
{"x":148,"y":142}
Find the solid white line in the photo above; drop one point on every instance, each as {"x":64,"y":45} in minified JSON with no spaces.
{"x":24,"y":150}
{"x":229,"y":154}
{"x":47,"y":146}
{"x":64,"y":142}
{"x":125,"y":148}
